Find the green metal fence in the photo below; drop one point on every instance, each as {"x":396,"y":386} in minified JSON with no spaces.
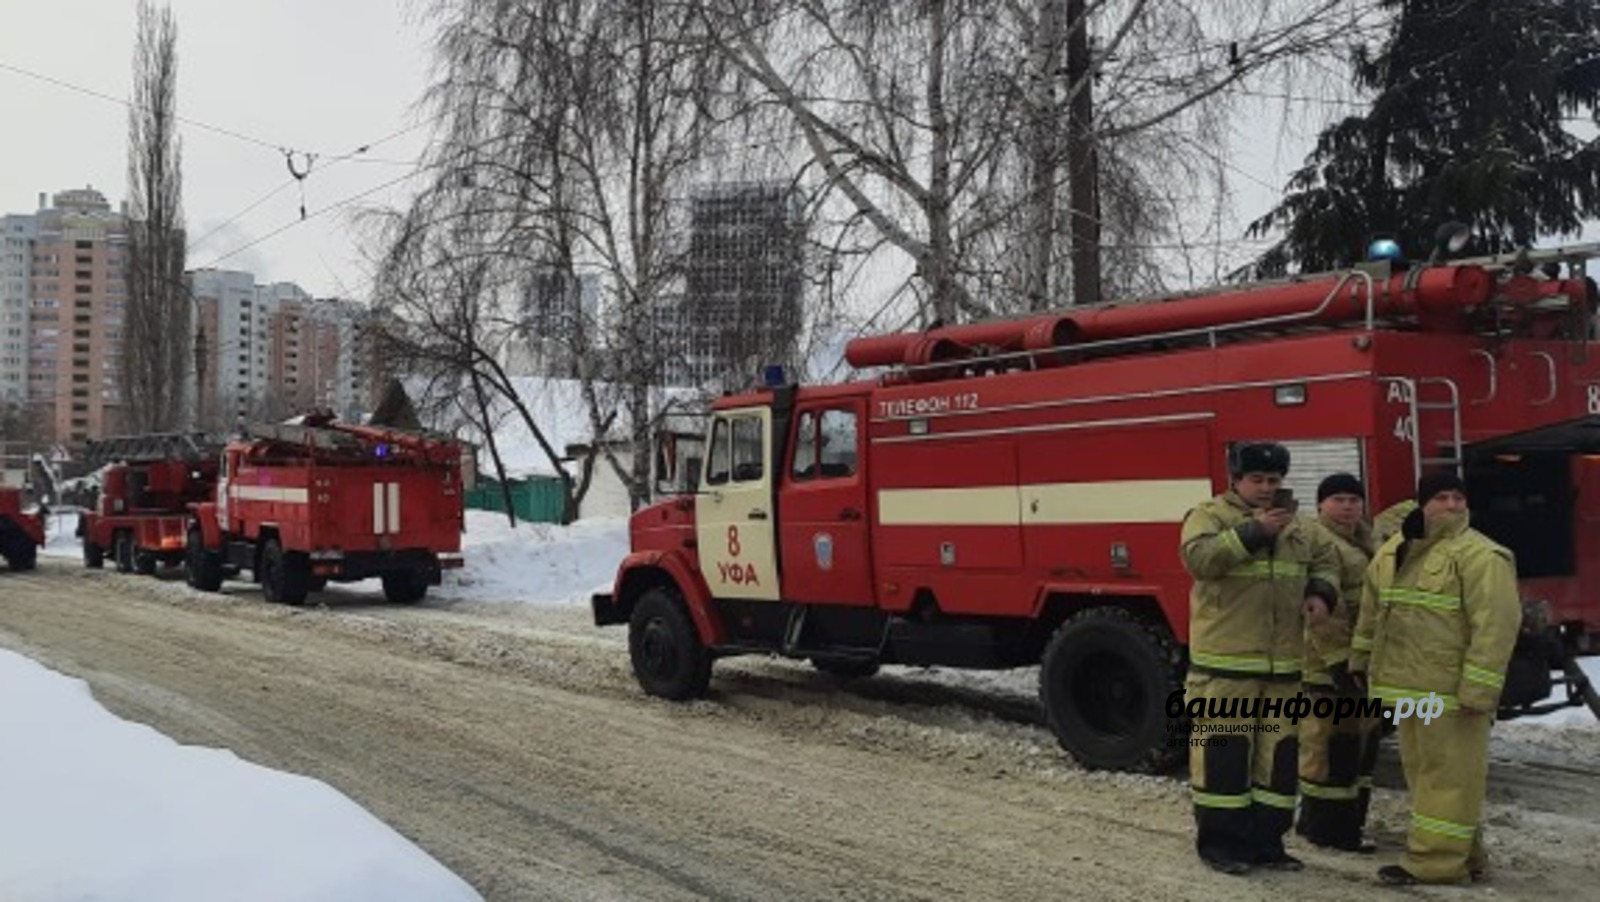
{"x":535,"y":499}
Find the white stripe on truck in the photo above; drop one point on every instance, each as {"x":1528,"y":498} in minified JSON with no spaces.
{"x":268,"y":493}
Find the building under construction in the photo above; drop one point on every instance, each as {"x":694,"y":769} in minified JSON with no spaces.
{"x":743,"y":283}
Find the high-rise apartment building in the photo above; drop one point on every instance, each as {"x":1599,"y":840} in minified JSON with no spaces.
{"x":16,"y":278}
{"x":317,"y":355}
{"x":77,"y":256}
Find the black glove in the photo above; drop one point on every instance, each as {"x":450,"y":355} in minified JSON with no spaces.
{"x":1344,"y":681}
{"x":1252,"y":536}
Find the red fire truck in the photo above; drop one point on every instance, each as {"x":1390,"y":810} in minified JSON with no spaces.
{"x":299,"y":505}
{"x":147,"y":484}
{"x":1011,"y":492}
{"x":21,"y":530}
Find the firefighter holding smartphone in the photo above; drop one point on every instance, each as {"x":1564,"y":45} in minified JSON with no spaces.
{"x":1259,"y":572}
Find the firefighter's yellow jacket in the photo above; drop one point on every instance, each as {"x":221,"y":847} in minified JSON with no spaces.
{"x":1443,"y":620}
{"x":1328,"y":642}
{"x":1245,"y":612}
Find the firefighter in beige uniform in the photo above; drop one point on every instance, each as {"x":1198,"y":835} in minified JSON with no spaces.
{"x":1439,"y":619}
{"x":1258,"y":573}
{"x":1337,"y":757}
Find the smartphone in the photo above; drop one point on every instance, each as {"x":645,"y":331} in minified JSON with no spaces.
{"x":1284,"y":499}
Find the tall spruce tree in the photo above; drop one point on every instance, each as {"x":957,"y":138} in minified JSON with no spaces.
{"x":1477,"y":116}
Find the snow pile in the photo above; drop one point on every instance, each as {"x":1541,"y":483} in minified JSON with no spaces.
{"x":99,"y":808}
{"x":536,"y":563}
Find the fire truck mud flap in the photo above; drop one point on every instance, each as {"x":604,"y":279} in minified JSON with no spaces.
{"x":606,"y":612}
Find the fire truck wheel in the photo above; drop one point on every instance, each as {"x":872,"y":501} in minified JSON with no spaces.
{"x":846,"y":668}
{"x":94,"y":557}
{"x":1104,"y":682}
{"x":144,"y":563}
{"x":668,"y":659}
{"x":285,"y":576}
{"x":122,"y":552}
{"x":405,"y":587}
{"x":202,"y":569}
{"x":25,"y":556}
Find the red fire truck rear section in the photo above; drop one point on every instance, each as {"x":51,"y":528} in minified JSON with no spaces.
{"x":147,"y":486}
{"x":301,"y":505}
{"x":1011,"y":493}
{"x":21,"y":530}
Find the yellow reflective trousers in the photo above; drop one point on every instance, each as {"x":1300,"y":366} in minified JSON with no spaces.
{"x":1336,"y":763}
{"x":1446,"y":764}
{"x":1242,"y":774}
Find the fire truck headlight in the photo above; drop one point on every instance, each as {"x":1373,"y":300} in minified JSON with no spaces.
{"x":1289,"y":395}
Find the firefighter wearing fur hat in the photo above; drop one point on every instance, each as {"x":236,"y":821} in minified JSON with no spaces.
{"x":1258,"y":571}
{"x":1337,"y":757}
{"x":1439,"y":619}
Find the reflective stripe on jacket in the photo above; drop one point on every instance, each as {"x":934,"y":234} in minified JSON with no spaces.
{"x":1443,"y":621}
{"x":1245,"y":611}
{"x":1328,"y":642}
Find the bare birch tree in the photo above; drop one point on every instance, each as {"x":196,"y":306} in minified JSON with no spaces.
{"x":948,"y":124}
{"x":156,"y":330}
{"x":571,"y":130}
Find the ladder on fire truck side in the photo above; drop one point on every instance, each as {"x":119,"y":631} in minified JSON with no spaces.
{"x":1412,"y":427}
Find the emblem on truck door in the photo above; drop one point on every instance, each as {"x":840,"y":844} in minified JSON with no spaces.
{"x":822,"y":543}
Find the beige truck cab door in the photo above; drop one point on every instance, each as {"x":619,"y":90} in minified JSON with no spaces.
{"x":734,"y":515}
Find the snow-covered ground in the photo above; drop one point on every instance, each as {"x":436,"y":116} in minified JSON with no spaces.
{"x":94,"y":807}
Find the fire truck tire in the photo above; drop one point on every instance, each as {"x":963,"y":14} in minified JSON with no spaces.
{"x":94,"y":557}
{"x":668,"y":659}
{"x":846,"y":668}
{"x":144,"y":563}
{"x":285,"y":575}
{"x":24,"y":556}
{"x":1104,"y":683}
{"x":405,"y":587}
{"x":318,"y":583}
{"x":122,"y":551}
{"x":202,"y":569}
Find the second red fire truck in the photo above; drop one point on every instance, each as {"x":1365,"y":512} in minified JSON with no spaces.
{"x":300,"y":505}
{"x":1011,"y":493}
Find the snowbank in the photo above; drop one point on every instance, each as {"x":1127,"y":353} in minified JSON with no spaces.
{"x":536,"y":563}
{"x":95,"y":807}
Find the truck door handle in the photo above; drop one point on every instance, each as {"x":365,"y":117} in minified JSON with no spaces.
{"x":849,"y":513}
{"x":758,"y":514}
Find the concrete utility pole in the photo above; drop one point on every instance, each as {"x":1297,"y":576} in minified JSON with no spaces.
{"x":199,"y":375}
{"x":1082,"y":167}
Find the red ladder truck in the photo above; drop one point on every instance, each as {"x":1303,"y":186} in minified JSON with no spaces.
{"x":300,"y":505}
{"x":1010,"y":493}
{"x":147,"y":485}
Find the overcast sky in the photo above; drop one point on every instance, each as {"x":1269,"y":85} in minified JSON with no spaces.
{"x":313,"y":76}
{"x":317,"y":76}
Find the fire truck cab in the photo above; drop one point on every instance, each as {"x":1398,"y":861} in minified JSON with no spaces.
{"x":1011,"y":492}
